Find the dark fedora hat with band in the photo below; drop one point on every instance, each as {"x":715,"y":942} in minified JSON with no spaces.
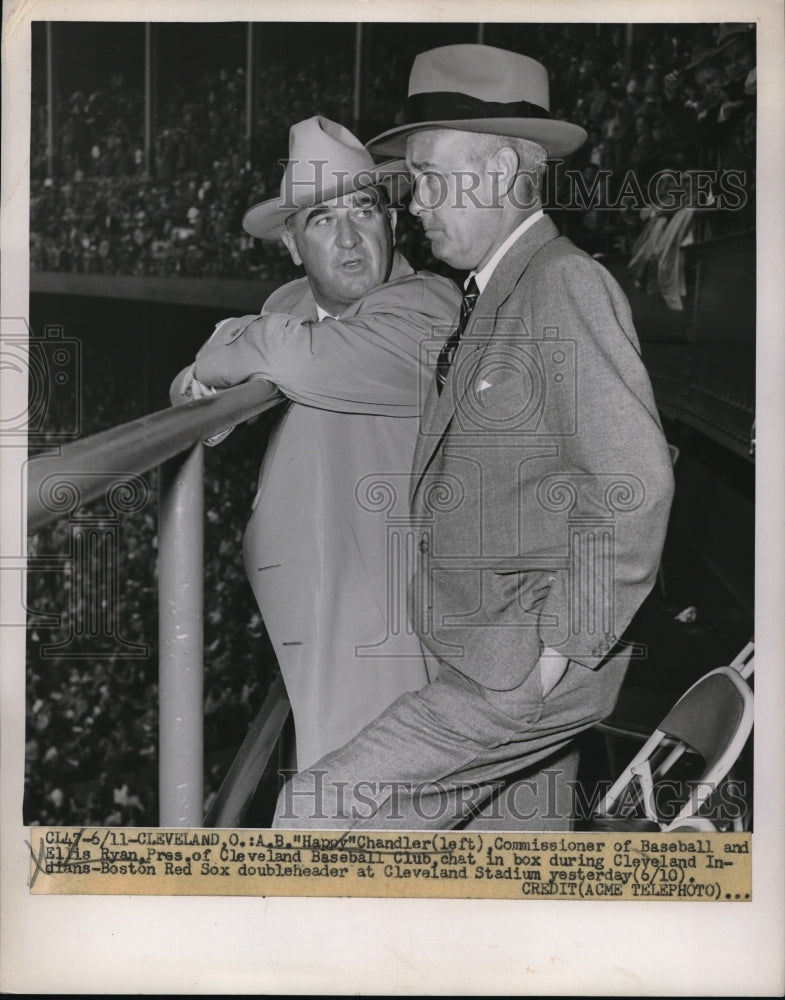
{"x":731,"y":32}
{"x":479,"y":88}
{"x":702,"y":55}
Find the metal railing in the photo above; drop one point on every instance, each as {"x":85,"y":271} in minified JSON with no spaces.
{"x":172,"y":440}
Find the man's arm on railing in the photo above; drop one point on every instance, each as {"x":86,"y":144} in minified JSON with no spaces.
{"x":368,"y":361}
{"x":187,"y":387}
{"x":140,"y":445}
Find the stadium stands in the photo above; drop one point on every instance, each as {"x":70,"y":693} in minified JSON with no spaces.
{"x":103,"y":214}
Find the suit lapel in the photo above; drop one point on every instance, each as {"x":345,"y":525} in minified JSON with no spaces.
{"x":439,"y":410}
{"x":503,"y":281}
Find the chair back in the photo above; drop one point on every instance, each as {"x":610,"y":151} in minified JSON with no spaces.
{"x":705,"y":732}
{"x":711,"y":715}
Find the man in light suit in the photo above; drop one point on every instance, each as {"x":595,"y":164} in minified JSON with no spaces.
{"x":541,"y":484}
{"x":343,"y":345}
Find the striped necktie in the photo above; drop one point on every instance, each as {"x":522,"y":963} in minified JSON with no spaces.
{"x":470,"y":296}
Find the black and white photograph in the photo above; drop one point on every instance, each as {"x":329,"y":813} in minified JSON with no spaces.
{"x":391,"y":447}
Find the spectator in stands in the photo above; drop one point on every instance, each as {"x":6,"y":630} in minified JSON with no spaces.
{"x":725,"y":79}
{"x":688,"y":113}
{"x":616,"y":126}
{"x":652,"y":87}
{"x":736,"y":50}
{"x":345,"y":344}
{"x":645,"y":146}
{"x":723,"y":117}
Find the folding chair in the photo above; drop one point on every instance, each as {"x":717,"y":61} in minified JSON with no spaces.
{"x":704,"y":733}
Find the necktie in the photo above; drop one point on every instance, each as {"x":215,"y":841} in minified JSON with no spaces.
{"x":470,"y":296}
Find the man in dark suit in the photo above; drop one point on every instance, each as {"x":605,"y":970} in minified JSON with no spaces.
{"x":541,"y":484}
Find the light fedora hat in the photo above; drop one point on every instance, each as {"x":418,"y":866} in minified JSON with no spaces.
{"x":325,"y":161}
{"x":479,"y":88}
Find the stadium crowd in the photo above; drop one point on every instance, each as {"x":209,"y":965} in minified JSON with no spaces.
{"x":104,"y":213}
{"x":92,"y":719}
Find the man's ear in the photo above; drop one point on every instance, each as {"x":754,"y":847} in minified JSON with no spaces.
{"x":524,"y":184}
{"x":291,"y":245}
{"x":507,"y":162}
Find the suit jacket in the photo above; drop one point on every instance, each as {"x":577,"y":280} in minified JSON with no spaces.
{"x":332,"y":503}
{"x":542,"y":481}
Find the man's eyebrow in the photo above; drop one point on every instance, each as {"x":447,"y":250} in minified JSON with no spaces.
{"x":420,"y":164}
{"x":316,"y":213}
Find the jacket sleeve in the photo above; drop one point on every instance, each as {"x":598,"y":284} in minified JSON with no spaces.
{"x":615,"y":488}
{"x":180,"y":392}
{"x":368,"y":362}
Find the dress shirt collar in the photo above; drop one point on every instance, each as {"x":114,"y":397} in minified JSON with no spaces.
{"x":483,"y":276}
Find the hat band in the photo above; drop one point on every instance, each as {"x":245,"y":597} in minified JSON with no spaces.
{"x":445,"y":105}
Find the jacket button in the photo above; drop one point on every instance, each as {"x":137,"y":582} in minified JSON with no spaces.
{"x":424,"y":545}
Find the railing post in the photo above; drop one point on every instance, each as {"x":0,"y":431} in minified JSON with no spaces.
{"x":150,"y":96}
{"x":180,"y":600}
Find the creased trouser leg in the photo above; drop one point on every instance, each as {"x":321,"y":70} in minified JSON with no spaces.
{"x":539,"y":798}
{"x":435,"y":755}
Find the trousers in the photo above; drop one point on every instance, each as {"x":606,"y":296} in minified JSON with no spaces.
{"x":436,"y":757}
